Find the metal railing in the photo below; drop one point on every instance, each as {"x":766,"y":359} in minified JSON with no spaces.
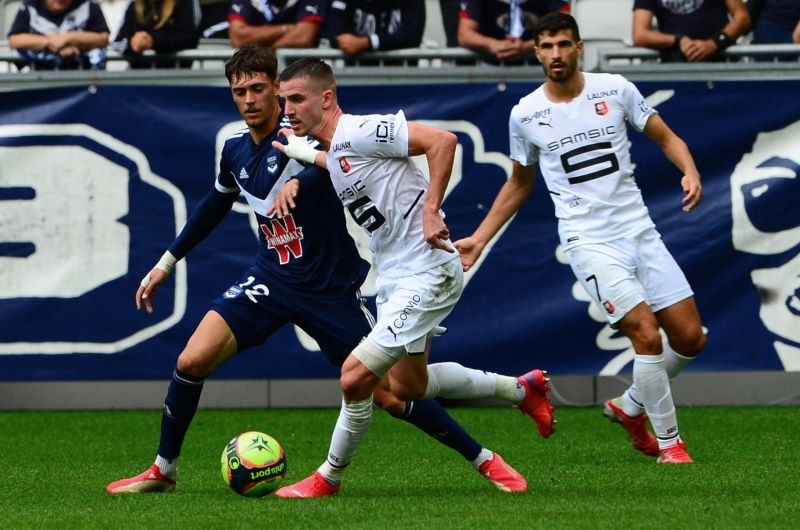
{"x":751,"y":61}
{"x":418,"y":65}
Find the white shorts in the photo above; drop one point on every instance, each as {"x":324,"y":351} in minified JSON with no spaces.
{"x":620,"y":274}
{"x":410,"y":308}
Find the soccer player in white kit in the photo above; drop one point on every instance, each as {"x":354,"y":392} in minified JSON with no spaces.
{"x":419,"y":273}
{"x":574,"y":127}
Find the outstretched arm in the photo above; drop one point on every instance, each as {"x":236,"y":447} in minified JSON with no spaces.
{"x":205,"y":217}
{"x":509,"y":200}
{"x":678,"y":153}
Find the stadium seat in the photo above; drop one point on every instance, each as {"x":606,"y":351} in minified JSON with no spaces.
{"x":603,"y":24}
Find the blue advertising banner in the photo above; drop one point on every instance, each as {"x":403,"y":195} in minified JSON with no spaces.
{"x":94,"y":185}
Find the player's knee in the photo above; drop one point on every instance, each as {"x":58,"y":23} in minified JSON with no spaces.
{"x":646,"y":340}
{"x":194,"y":365}
{"x":689,"y":343}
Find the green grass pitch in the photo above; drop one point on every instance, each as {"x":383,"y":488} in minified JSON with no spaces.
{"x":56,"y":465}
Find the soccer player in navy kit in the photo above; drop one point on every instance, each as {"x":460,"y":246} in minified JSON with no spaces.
{"x":307,"y":272}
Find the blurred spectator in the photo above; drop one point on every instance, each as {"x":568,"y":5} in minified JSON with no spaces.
{"x":503,"y":29}
{"x":164,"y":26}
{"x":276,"y":23}
{"x":775,"y":21}
{"x":450,"y":9}
{"x":691,"y":30}
{"x":357,"y":26}
{"x":214,"y":19}
{"x":64,"y":34}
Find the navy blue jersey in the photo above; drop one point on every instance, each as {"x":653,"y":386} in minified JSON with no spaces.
{"x":493,"y":16}
{"x":389,"y":24}
{"x":308,"y":250}
{"x":261,"y":12}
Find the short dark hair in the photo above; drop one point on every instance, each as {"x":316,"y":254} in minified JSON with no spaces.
{"x":316,"y":70}
{"x":251,"y":60}
{"x":552,"y":23}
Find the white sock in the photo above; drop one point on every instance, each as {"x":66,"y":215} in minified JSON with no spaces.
{"x":168,"y":468}
{"x":484,"y":456}
{"x":451,"y":380}
{"x":631,"y":403}
{"x":353,"y":422}
{"x":674,"y":362}
{"x":652,"y":384}
{"x":509,"y":388}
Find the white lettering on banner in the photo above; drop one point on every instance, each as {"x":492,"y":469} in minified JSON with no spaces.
{"x":70,"y":220}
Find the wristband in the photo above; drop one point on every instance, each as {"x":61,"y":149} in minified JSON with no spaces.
{"x":722,"y":41}
{"x":678,"y":37}
{"x":166,"y":264}
{"x":297,"y":147}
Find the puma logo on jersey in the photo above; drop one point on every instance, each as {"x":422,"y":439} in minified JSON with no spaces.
{"x":284,"y":237}
{"x":547,"y":123}
{"x":243,"y":174}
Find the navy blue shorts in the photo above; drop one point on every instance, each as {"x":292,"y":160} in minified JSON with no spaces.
{"x":256,"y":307}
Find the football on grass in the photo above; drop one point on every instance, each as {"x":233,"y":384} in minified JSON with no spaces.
{"x":253,"y":464}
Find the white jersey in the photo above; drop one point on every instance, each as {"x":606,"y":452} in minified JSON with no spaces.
{"x":583,"y":152}
{"x":383,"y":190}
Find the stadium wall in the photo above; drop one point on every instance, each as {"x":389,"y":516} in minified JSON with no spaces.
{"x":98,"y":172}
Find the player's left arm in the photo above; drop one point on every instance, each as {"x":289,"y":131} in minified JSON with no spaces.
{"x":678,"y":153}
{"x":439,"y":148}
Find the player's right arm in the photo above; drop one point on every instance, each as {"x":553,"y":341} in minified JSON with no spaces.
{"x":509,"y":200}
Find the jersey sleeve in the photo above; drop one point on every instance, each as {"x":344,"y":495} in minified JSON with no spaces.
{"x":22,"y":21}
{"x":226,"y":180}
{"x":520,"y":149}
{"x":470,"y":9}
{"x":97,"y":21}
{"x":637,"y":109}
{"x":380,"y":136}
{"x":312,"y":11}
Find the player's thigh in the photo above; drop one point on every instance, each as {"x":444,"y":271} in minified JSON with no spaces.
{"x":607,"y":272}
{"x":660,"y":275}
{"x":337,"y":323}
{"x":252,"y":310}
{"x":411,"y":308}
{"x":209,"y":346}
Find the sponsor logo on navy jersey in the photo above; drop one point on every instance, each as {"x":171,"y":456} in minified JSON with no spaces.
{"x":284,"y":237}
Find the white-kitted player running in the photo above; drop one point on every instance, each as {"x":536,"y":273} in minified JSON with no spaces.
{"x":419,"y":273}
{"x":574,"y":127}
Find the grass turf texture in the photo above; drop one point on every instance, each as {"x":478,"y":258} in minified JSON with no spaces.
{"x":56,"y":466}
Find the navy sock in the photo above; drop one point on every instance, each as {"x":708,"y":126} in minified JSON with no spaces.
{"x":429,"y":416}
{"x":180,"y":405}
